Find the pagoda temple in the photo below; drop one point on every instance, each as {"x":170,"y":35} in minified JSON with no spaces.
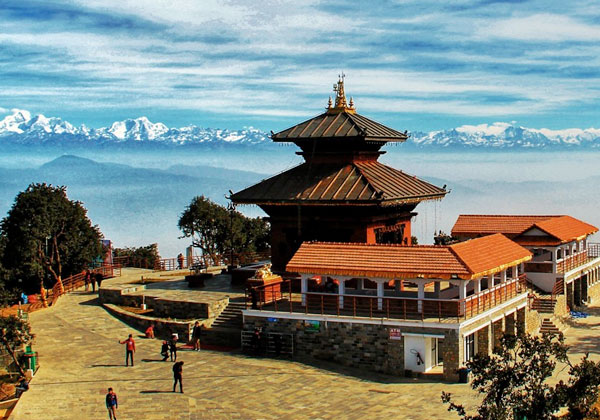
{"x":341,"y":193}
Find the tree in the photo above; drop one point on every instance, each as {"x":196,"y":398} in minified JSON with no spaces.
{"x":143,"y":256}
{"x":14,"y":333}
{"x":46,"y":234}
{"x":217,"y":231}
{"x":513,"y":381}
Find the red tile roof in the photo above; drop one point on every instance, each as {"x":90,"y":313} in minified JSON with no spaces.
{"x":566,"y":228}
{"x":483,"y":224}
{"x":560,"y":229}
{"x":467,"y":260}
{"x":368,"y":182}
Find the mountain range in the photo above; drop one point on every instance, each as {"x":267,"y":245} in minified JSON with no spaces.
{"x":21,"y":128}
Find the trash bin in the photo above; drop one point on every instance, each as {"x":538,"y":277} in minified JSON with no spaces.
{"x":31,"y":357}
{"x":463,"y":375}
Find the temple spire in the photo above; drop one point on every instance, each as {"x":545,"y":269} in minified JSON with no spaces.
{"x":340,"y":99}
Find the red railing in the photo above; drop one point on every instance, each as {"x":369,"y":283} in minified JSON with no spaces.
{"x":572,"y":261}
{"x":279,"y":297}
{"x":78,"y":280}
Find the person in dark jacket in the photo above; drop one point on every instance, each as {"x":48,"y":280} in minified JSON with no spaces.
{"x":164,"y":350}
{"x":112,"y":404}
{"x":178,"y":376}
{"x":173,"y":348}
{"x":196,"y":335}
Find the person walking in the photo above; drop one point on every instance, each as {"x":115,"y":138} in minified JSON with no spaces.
{"x":87,"y":280}
{"x":178,"y":376}
{"x":112,"y":404}
{"x":196,"y":335}
{"x":173,"y":347}
{"x":129,"y":349}
{"x":180,"y":260}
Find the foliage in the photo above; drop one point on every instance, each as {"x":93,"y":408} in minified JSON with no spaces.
{"x":414,"y":240}
{"x":47,"y":236}
{"x":143,"y":256}
{"x":217,"y":231}
{"x":513,"y":381}
{"x":14,"y":333}
{"x":443,"y":238}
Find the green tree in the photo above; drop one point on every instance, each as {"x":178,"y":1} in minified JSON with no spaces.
{"x":215,"y":230}
{"x":513,"y":381}
{"x":14,"y":333}
{"x":143,"y":256}
{"x":46,"y":234}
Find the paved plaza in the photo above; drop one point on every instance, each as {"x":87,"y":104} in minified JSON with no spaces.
{"x":80,"y":358}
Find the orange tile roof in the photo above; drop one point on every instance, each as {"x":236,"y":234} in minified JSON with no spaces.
{"x":467,"y":260}
{"x":483,"y":224}
{"x":490,"y":254}
{"x":561,"y":229}
{"x":566,"y":228}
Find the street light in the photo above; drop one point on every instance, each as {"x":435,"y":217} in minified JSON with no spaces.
{"x":231,"y":210}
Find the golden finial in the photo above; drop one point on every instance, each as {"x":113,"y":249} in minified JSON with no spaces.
{"x":351,"y":103}
{"x":340,"y":99}
{"x":330,"y":103}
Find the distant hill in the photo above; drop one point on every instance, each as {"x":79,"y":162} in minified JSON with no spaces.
{"x":22,"y":129}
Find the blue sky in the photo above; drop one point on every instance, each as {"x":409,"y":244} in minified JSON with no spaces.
{"x":413,"y":65}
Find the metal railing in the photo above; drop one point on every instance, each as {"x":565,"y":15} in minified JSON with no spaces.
{"x":169,"y":264}
{"x":593,"y":250}
{"x":278,"y":297}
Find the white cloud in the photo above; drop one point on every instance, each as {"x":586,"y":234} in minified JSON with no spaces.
{"x":540,"y":27}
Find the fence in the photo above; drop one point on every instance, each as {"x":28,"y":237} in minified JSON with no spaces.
{"x":278,"y":297}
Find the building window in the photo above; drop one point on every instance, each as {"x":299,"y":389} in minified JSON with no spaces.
{"x":469,"y":347}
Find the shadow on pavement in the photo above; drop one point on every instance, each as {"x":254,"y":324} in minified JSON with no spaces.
{"x":119,"y":365}
{"x":95,"y":301}
{"x":152,"y":360}
{"x":156,"y":392}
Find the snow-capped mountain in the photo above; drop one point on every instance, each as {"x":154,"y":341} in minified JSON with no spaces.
{"x":21,"y":127}
{"x":505,"y":135}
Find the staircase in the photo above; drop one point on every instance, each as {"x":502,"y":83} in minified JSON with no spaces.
{"x":552,"y":325}
{"x":226,"y":329}
{"x":544,"y":305}
{"x":231,"y":317}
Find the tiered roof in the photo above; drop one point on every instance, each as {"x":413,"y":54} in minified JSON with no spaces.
{"x":466,"y":260}
{"x":555,"y":229}
{"x":368,"y":182}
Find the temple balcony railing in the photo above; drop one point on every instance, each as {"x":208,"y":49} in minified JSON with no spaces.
{"x":279,"y":297}
{"x":572,"y":261}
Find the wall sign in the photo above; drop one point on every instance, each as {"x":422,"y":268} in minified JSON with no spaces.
{"x":395,"y":334}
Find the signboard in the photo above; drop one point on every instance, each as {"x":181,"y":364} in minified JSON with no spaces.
{"x":395,"y":334}
{"x":312,"y":326}
{"x":272,"y":319}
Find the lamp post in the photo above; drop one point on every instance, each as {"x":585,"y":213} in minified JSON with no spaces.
{"x":231,"y":210}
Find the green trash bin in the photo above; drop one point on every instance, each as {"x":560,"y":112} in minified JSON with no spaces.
{"x":31,"y":358}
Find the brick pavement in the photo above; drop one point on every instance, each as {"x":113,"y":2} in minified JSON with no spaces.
{"x":80,"y":358}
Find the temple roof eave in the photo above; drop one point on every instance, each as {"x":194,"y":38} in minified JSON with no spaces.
{"x":382,"y":203}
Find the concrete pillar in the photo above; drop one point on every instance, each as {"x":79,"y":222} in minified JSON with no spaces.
{"x":497,"y":332}
{"x":554,"y":259}
{"x":569,"y":292}
{"x":503,"y":276}
{"x":397,"y":285}
{"x":509,"y":324}
{"x":341,"y":292}
{"x":304,"y":289}
{"x":359,"y":284}
{"x":515,"y":271}
{"x":380,"y":295}
{"x":584,"y":287}
{"x":521,"y":322}
{"x":420,"y":295}
{"x":477,"y":285}
{"x":577,"y":291}
{"x":484,"y":342}
{"x":452,"y":354}
{"x":436,"y":289}
{"x":462,"y":294}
